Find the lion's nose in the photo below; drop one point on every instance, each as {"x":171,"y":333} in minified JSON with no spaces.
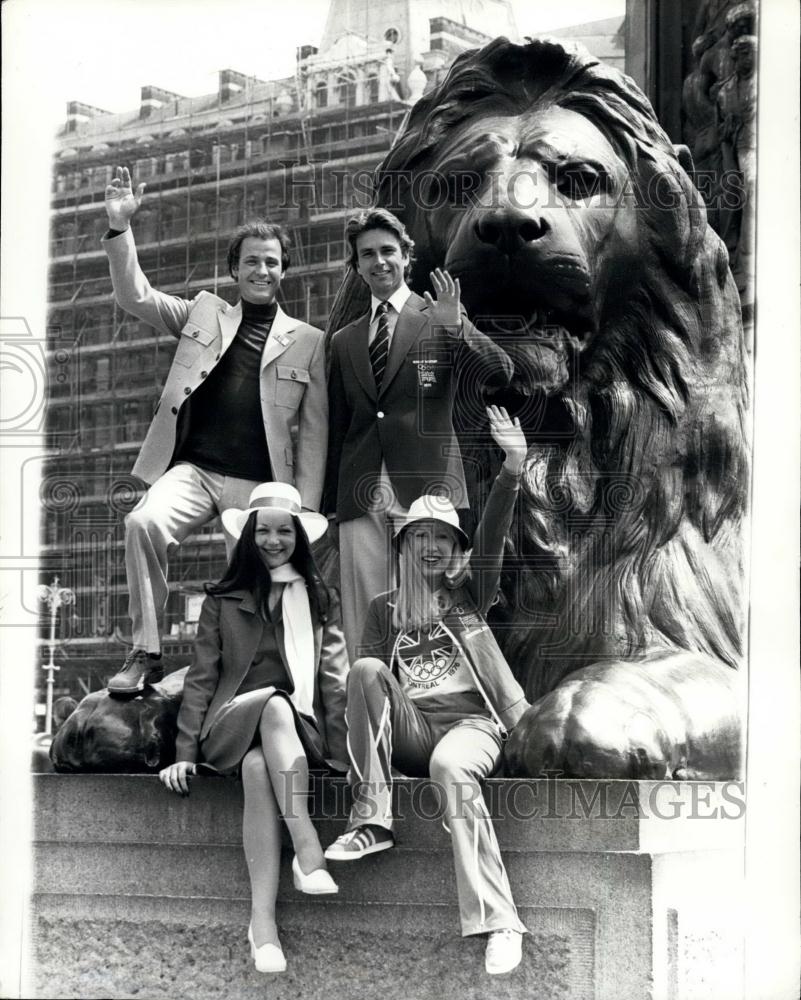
{"x":509,"y":229}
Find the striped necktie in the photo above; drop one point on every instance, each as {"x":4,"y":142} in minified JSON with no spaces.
{"x":379,"y":349}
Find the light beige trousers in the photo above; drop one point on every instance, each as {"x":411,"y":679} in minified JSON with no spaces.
{"x":178,"y":503}
{"x":367,"y":560}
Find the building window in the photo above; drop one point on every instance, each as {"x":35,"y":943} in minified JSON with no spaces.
{"x":130,"y":421}
{"x":392,"y":35}
{"x":372,"y":90}
{"x":346,"y":90}
{"x":198,"y":158}
{"x":96,"y":429}
{"x":173,"y":163}
{"x":321,"y":95}
{"x":102,"y":375}
{"x":102,"y":176}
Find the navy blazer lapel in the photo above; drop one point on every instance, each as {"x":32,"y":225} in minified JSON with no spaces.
{"x":360,"y":356}
{"x":407,"y":330}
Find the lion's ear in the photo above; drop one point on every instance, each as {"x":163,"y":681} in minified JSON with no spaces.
{"x":685,"y":158}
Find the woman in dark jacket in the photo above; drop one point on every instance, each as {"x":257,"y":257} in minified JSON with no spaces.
{"x":266,"y":693}
{"x":432,"y":694}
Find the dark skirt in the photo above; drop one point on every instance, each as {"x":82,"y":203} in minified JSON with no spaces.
{"x":235,"y":730}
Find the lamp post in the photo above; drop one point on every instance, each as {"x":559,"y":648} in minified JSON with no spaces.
{"x":54,"y":597}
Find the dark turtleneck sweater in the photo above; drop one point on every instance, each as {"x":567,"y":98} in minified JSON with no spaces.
{"x":226,"y":427}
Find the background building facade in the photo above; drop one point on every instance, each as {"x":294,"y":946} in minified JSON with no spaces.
{"x":300,"y":151}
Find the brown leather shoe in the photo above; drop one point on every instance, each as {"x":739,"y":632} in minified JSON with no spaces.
{"x":138,"y":670}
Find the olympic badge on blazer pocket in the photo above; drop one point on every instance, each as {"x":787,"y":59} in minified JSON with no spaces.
{"x":427,"y":376}
{"x":290,"y":384}
{"x":191,"y":344}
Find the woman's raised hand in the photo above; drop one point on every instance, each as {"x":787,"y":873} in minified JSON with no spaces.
{"x":121,"y":202}
{"x":174,"y":777}
{"x":508,"y":435}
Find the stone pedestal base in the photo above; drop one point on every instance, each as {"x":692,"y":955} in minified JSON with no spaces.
{"x":141,"y":894}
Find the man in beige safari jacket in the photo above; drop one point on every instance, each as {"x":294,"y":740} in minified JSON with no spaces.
{"x":244,"y":402}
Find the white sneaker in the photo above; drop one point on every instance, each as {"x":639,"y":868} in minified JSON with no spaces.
{"x":359,"y":843}
{"x":504,"y":951}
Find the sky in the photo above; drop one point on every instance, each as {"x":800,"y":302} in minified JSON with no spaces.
{"x":102,"y":51}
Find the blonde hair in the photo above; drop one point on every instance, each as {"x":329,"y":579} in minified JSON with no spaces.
{"x":418,"y":605}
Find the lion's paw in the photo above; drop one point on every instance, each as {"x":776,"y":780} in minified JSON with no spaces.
{"x":584,"y":729}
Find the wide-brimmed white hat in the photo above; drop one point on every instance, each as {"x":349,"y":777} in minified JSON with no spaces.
{"x":432,"y":507}
{"x":275,"y":496}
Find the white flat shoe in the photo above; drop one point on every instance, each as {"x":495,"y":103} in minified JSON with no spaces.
{"x":316,"y":883}
{"x":268,"y":957}
{"x":504,"y":951}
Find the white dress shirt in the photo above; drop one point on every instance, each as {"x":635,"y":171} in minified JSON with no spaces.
{"x":396,"y":302}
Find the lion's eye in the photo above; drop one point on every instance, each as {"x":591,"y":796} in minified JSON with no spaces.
{"x":461,"y":187}
{"x":580,"y":182}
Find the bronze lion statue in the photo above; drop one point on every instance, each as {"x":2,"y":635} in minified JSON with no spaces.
{"x":121,"y":735}
{"x":542,"y":180}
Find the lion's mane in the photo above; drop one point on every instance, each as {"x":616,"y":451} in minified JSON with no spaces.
{"x":628,"y":538}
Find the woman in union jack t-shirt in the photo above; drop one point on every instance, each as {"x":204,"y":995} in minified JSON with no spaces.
{"x":433,"y":695}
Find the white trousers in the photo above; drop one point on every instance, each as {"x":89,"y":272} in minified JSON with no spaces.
{"x":178,"y":503}
{"x":367,"y":560}
{"x":387,"y":729}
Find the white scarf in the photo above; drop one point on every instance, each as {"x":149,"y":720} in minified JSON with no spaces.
{"x":298,"y":635}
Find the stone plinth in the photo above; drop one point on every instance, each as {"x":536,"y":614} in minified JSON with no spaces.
{"x":629,"y":889}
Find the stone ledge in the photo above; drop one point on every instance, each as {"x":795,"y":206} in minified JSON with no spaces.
{"x":529,"y":814}
{"x":410,"y":877}
{"x":138,"y":893}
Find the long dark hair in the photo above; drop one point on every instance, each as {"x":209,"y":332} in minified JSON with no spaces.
{"x":246,"y":571}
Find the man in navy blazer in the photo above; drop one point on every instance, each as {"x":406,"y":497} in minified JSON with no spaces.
{"x":391,"y":388}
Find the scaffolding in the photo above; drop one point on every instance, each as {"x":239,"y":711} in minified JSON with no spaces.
{"x":299,"y":151}
{"x":206,"y":171}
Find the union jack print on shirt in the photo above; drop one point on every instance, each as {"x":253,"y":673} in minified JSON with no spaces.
{"x":426,"y":657}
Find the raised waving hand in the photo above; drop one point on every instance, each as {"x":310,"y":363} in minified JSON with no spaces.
{"x":121,"y":201}
{"x":444,"y":308}
{"x":508,"y":435}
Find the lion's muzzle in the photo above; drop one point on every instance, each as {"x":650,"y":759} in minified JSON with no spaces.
{"x":106,"y":734}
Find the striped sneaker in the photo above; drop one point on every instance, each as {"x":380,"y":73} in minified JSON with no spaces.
{"x":360,"y":842}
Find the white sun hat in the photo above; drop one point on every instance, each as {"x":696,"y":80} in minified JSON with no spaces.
{"x":432,"y":507}
{"x":275,"y":496}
